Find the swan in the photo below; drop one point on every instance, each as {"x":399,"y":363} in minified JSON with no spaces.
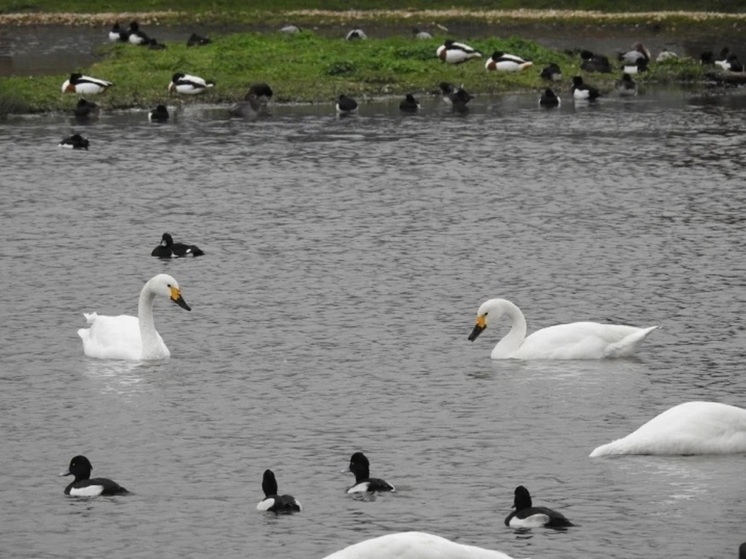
{"x":577,"y":340}
{"x":688,"y":428}
{"x":414,"y":545}
{"x":129,"y":337}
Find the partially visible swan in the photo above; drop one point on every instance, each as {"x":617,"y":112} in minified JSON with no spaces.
{"x":414,"y":545}
{"x":688,"y":428}
{"x":576,"y":340}
{"x":130,"y":337}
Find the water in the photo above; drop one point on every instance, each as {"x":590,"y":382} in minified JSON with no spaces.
{"x":345,"y":260}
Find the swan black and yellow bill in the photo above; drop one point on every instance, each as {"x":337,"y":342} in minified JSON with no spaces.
{"x":478,"y":328}
{"x":178,"y":299}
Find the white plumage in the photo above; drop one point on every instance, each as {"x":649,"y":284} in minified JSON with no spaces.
{"x":129,"y":337}
{"x":576,"y":340}
{"x":688,"y":428}
{"x":503,"y":62}
{"x":188,"y":84}
{"x":414,"y":545}
{"x":453,"y":52}
{"x":84,"y":85}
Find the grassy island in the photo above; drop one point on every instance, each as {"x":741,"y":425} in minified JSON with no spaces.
{"x":311,"y":67}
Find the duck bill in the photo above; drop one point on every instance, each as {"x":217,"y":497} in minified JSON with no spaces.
{"x":178,"y":299}
{"x":65,"y":473}
{"x":478,"y":328}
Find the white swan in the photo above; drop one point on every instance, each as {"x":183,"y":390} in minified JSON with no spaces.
{"x":414,"y":545}
{"x":129,"y":337}
{"x":689,"y":428}
{"x":576,"y":340}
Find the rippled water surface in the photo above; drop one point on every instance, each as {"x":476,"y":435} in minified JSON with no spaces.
{"x":345,"y":260}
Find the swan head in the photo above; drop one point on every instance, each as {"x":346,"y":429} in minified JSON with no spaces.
{"x":167,"y":286}
{"x":494,"y":308}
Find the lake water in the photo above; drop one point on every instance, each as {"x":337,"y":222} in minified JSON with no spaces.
{"x":345,"y":260}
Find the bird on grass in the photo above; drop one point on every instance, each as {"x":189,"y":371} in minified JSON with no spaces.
{"x":188,"y":84}
{"x":85,"y":85}
{"x":452,"y":52}
{"x":504,"y":62}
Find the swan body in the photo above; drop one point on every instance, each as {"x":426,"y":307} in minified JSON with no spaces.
{"x":576,"y":340}
{"x":688,"y":428}
{"x":272,"y":502}
{"x":414,"y":545}
{"x":129,"y":337}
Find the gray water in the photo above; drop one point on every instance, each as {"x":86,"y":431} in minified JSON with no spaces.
{"x":345,"y":260}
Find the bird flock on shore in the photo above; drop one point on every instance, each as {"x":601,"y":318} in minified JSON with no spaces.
{"x":634,"y":61}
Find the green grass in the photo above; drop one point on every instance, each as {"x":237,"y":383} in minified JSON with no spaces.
{"x":302,"y":68}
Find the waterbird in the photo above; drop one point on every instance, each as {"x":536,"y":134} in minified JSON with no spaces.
{"x":169,"y":249}
{"x":452,"y":52}
{"x":273,"y":502}
{"x":84,"y":486}
{"x":526,"y":515}
{"x":504,"y":62}
{"x":84,"y":85}
{"x":188,"y":84}
{"x":128,"y":337}
{"x":360,"y":466}
{"x":76,"y":141}
{"x":575,"y":340}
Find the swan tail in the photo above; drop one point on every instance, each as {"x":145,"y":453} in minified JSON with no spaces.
{"x":90,"y":317}
{"x":628,"y":345}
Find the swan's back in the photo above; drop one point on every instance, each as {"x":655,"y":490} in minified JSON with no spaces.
{"x":689,"y":428}
{"x":414,"y":545}
{"x":112,"y":337}
{"x":583,"y":340}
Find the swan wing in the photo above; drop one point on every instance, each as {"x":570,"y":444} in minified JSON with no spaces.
{"x":112,"y":337}
{"x":414,"y":545}
{"x":689,"y":428}
{"x":582,"y":340}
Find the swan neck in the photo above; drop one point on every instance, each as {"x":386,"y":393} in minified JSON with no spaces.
{"x":148,"y":333}
{"x":513,"y":340}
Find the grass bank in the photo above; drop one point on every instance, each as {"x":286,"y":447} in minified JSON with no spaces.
{"x":303,"y":68}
